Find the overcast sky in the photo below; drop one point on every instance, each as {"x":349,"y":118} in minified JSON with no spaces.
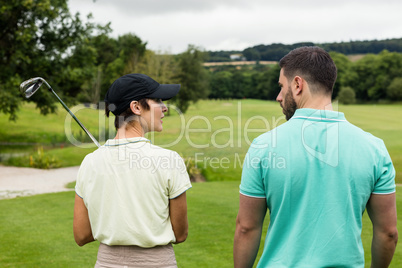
{"x":170,"y":25}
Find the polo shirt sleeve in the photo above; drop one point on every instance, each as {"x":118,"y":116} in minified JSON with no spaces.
{"x":80,"y":182}
{"x":385,"y":183}
{"x":78,"y":186}
{"x":179,"y":181}
{"x":251,"y":179}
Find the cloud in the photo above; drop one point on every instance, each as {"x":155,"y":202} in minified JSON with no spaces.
{"x":237,"y":24}
{"x":139,"y":8}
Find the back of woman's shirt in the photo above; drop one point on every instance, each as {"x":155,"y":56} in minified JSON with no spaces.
{"x":126,"y":186}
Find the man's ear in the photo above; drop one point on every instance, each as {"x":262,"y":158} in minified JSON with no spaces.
{"x":298,"y":85}
{"x":135,"y":107}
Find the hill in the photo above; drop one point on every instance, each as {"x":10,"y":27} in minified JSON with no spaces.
{"x":275,"y":52}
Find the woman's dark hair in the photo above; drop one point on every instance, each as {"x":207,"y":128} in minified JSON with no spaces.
{"x":313,"y":64}
{"x":127,"y":115}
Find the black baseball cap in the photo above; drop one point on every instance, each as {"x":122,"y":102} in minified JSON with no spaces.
{"x":132,"y":87}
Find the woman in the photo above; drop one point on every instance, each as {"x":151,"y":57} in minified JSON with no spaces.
{"x":130,"y":194}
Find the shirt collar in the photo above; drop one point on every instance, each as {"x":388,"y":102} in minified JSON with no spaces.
{"x":117,"y":142}
{"x":319,"y":115}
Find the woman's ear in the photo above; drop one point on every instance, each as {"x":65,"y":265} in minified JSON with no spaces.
{"x":135,"y":107}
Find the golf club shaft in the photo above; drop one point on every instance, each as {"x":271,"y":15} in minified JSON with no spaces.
{"x":75,"y":118}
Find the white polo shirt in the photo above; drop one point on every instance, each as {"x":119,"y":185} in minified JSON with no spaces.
{"x":126,"y":186}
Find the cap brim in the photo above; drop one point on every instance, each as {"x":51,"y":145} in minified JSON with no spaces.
{"x":165,"y":92}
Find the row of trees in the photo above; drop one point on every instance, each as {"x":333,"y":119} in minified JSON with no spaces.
{"x":275,"y":52}
{"x":371,"y":78}
{"x":259,"y":82}
{"x":80,"y":60}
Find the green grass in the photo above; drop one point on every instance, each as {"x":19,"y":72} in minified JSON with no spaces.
{"x":383,"y":121}
{"x":216,"y":133}
{"x":36,"y":231}
{"x":31,"y":127}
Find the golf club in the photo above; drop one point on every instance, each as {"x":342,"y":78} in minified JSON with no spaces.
{"x":29,"y":87}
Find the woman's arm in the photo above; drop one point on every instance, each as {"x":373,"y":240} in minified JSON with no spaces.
{"x":178,"y":217}
{"x":81,"y":225}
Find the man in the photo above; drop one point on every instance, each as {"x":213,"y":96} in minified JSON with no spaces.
{"x":332,"y":171}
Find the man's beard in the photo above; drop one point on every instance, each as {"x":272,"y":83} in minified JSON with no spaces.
{"x":290,"y":104}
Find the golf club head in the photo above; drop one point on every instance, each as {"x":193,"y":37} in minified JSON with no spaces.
{"x":29,"y":87}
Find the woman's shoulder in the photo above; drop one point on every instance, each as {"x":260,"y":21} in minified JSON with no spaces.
{"x":162,"y":151}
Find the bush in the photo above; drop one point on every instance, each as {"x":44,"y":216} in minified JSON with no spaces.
{"x":21,"y":161}
{"x":347,"y":95}
{"x":43,"y":161}
{"x":394,"y":90}
{"x":193,"y":170}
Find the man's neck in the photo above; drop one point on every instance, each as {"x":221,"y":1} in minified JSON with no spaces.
{"x":316,"y":102}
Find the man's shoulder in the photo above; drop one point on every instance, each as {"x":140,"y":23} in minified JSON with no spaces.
{"x":363,"y":135}
{"x":280,"y":130}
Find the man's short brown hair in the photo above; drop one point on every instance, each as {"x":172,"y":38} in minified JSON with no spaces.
{"x":313,"y":64}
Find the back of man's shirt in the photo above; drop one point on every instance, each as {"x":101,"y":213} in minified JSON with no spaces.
{"x":317,"y":172}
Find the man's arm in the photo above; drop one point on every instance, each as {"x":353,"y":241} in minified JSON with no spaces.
{"x":248,"y":230}
{"x":381,"y":209}
{"x":81,"y":225}
{"x":178,"y":217}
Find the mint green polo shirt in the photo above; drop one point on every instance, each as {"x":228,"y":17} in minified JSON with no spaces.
{"x":317,"y":172}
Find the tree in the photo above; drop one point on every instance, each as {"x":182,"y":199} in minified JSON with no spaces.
{"x":192,"y":76}
{"x":106,"y":60}
{"x":129,"y":50}
{"x":91,"y":88}
{"x":267,"y":84}
{"x":36,"y":38}
{"x":347,"y":95}
{"x":241,"y":84}
{"x":251,"y":54}
{"x":371,"y":75}
{"x":362,"y":76}
{"x":388,"y":67}
{"x":132,"y":49}
{"x":160,"y":66}
{"x":343,"y":68}
{"x":394,"y":90}
{"x":259,"y":82}
{"x":221,"y":85}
